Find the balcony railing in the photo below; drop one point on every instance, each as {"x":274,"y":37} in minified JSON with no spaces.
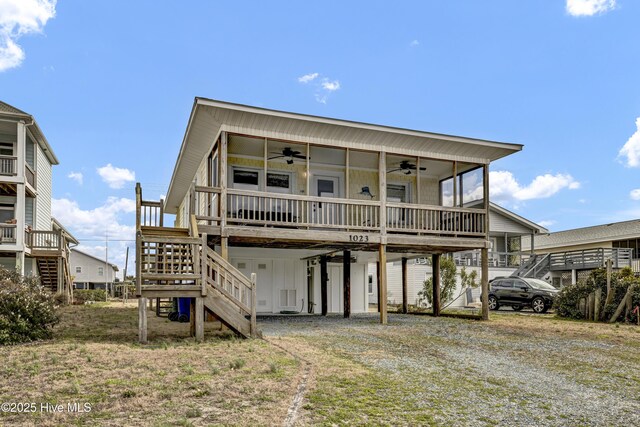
{"x":8,"y":165}
{"x":39,"y":240}
{"x":7,"y":233}
{"x":255,"y":208}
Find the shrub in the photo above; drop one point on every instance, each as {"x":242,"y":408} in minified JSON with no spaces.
{"x":80,"y":296}
{"x":567,"y":302}
{"x":448,"y":272}
{"x":27,"y":310}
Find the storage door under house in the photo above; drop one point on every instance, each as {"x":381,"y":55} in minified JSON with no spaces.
{"x":336,"y":294}
{"x":264,"y":279}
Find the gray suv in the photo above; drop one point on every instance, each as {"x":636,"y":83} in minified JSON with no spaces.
{"x":519,"y":292}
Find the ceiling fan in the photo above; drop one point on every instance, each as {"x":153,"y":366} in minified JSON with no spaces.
{"x":406,"y":167}
{"x":289,"y":154}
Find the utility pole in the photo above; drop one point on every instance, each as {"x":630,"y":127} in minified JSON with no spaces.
{"x":106,"y":266}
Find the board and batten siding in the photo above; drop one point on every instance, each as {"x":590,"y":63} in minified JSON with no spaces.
{"x":43,"y":205}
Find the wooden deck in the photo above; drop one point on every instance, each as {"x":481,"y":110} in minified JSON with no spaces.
{"x":292,"y":221}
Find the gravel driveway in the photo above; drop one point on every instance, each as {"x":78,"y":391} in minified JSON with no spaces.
{"x":515,"y":370}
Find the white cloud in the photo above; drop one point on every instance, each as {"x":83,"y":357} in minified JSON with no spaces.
{"x":589,"y":7}
{"x":505,"y":187}
{"x":631,"y":149}
{"x":308,"y":77}
{"x":330,"y":86}
{"x":18,"y":18}
{"x":414,"y":43}
{"x":635,"y":194}
{"x":116,"y":177}
{"x":323,"y":86}
{"x":76,"y":176}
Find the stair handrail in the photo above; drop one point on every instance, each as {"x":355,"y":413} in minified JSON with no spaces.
{"x":541,"y":265}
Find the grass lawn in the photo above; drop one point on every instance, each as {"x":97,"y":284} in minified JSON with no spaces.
{"x":418,"y":370}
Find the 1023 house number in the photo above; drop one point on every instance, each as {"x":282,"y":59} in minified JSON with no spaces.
{"x":359,"y":238}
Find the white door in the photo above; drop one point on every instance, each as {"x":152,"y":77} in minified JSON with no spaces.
{"x":262,"y":268}
{"x":336,"y":295}
{"x":326,"y":213}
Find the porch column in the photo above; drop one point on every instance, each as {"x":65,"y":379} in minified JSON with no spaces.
{"x":435,"y":267}
{"x":382,"y":255}
{"x":484,"y":276}
{"x":324,"y":278}
{"x":346,"y":282}
{"x":224,"y":239}
{"x":199,"y":319}
{"x":484,"y":283}
{"x":378,"y":283}
{"x":533,"y":235}
{"x":142,"y":320}
{"x":405,"y":302}
{"x":382,"y":173}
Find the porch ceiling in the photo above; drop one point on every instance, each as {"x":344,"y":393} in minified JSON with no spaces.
{"x":210,"y":117}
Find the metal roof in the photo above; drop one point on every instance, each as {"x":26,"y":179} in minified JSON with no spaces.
{"x":210,"y":117}
{"x":589,"y":235}
{"x":12,"y":112}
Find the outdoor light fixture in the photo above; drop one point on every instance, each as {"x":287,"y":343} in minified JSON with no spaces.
{"x":365,"y":192}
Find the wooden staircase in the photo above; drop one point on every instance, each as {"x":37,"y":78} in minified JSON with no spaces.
{"x":164,"y":306}
{"x":52,"y":278}
{"x":176,"y":262}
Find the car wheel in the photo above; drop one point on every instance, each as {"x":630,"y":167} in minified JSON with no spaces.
{"x":538,"y":305}
{"x":517,"y":307}
{"x":493,"y":303}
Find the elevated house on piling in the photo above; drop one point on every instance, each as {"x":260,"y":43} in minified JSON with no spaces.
{"x":303,"y":204}
{"x":31,"y":242}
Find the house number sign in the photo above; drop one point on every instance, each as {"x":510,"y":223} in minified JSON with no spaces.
{"x":360,"y":238}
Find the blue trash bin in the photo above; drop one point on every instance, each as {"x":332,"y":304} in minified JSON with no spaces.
{"x":184,"y":309}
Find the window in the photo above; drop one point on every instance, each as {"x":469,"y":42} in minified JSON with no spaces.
{"x":78,"y":269}
{"x":397,"y":193}
{"x":370,"y":283}
{"x":278,"y":180}
{"x":7,"y":212}
{"x":100,"y":271}
{"x":6,"y":149}
{"x":245,"y":177}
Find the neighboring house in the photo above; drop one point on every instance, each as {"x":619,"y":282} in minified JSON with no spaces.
{"x":89,"y":272}
{"x":574,"y":253}
{"x":306,"y":203}
{"x":29,"y":243}
{"x":506,"y":233}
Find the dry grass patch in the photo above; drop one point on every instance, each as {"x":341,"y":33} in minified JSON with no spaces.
{"x":94,"y":358}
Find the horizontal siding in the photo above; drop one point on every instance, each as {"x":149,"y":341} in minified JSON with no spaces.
{"x":43,"y":204}
{"x":501,"y":224}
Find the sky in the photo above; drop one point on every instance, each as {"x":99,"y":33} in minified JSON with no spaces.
{"x":112,"y":83}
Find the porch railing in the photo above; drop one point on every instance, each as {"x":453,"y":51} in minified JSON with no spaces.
{"x":496,"y":259}
{"x":591,"y":258}
{"x":245,"y":207}
{"x":39,"y":240}
{"x":8,"y":165}
{"x":407,"y":218}
{"x":7,"y":233}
